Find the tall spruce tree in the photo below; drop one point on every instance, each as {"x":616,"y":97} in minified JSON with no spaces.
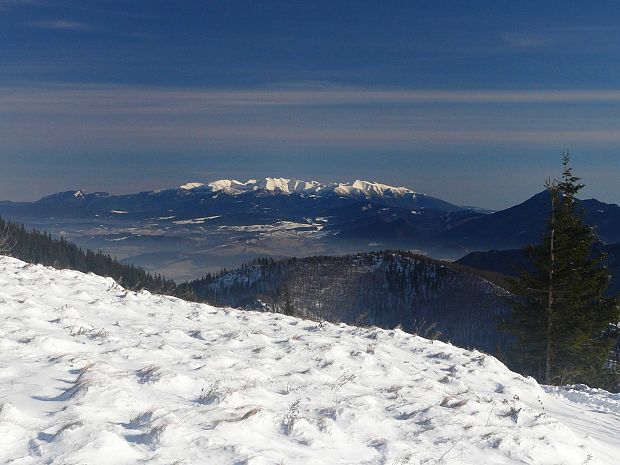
{"x":561,"y":324}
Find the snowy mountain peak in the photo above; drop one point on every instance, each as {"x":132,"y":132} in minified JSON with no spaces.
{"x":232,"y":186}
{"x":191,"y":185}
{"x":288,"y":186}
{"x":280,"y":185}
{"x":375,"y":189}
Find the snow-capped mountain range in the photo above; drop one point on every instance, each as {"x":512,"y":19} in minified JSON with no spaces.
{"x":174,"y":230}
{"x":358,"y":188}
{"x":295,"y":195}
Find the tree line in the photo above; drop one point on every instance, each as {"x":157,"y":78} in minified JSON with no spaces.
{"x":41,"y":248}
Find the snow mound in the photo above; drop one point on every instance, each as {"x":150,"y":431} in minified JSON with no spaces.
{"x":92,"y":373}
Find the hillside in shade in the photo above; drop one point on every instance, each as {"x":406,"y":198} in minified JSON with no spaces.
{"x":525,"y":223}
{"x":385,"y":289}
{"x":513,"y":262}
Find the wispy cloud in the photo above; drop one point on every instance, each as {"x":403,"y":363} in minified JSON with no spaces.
{"x":108,"y":117}
{"x":569,"y":37}
{"x":61,"y":25}
{"x":138,"y":99}
{"x":526,"y":40}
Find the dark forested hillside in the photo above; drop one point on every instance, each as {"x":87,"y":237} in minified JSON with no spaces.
{"x":525,"y":223}
{"x":512,"y":262}
{"x":40,"y":248}
{"x":385,"y":289}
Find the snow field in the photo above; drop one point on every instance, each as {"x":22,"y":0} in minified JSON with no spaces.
{"x":93,"y":374}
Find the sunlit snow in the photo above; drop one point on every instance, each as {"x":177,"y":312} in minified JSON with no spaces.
{"x":91,"y":373}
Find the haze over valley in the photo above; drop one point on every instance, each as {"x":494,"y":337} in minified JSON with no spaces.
{"x":196,"y":228}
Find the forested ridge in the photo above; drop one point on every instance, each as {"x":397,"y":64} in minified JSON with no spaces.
{"x":386,"y":289}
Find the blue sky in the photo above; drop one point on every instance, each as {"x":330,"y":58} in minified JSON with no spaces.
{"x":468,"y":101}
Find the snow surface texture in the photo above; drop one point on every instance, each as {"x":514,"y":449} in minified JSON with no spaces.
{"x":93,"y":374}
{"x":359,"y":188}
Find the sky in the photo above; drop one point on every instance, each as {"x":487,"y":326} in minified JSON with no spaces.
{"x":470,"y":101}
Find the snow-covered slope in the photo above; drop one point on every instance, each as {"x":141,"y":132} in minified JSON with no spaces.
{"x":91,"y":373}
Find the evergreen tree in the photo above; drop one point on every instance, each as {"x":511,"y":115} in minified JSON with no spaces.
{"x":288,"y":304}
{"x":561,"y":325}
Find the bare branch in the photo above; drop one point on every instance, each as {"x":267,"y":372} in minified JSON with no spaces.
{"x":7,"y":239}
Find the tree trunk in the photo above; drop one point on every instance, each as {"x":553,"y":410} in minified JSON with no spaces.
{"x":552,"y":191}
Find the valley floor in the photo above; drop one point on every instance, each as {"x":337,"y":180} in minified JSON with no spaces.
{"x":93,"y":374}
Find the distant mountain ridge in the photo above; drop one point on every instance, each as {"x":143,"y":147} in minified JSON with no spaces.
{"x":198,"y":191}
{"x":199,"y":227}
{"x":524,"y":224}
